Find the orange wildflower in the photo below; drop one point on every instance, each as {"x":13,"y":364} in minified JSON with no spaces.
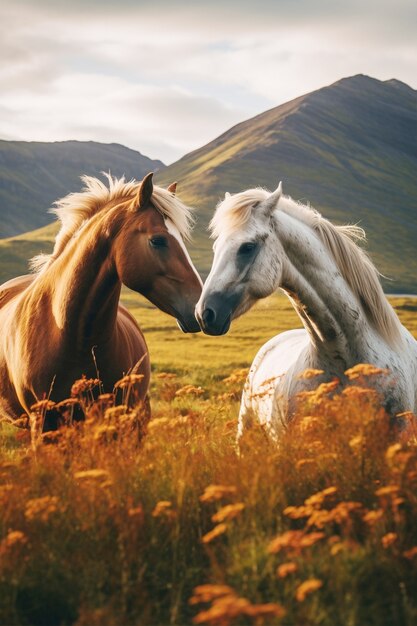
{"x":42,"y":405}
{"x":189,"y":390}
{"x":237,"y":376}
{"x":165,"y":375}
{"x":218,"y":530}
{"x":207,"y":593}
{"x":411,"y":553}
{"x":310,"y":539}
{"x":307,"y":587}
{"x":217,"y":492}
{"x":91,"y":474}
{"x":371,"y":517}
{"x":13,"y":539}
{"x":318,"y":498}
{"x":270,"y":609}
{"x":364,"y":369}
{"x":228,"y":512}
{"x":128,"y":381}
{"x":163,"y":509}
{"x":298,"y":512}
{"x":388,"y":539}
{"x":310,"y":373}
{"x":84,"y":384}
{"x":223,"y":611}
{"x":392,"y":451}
{"x":41,"y":508}
{"x":285,"y":569}
{"x":389,"y":490}
{"x":289,"y":539}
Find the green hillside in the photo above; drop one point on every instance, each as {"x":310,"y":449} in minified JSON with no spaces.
{"x":349,"y":149}
{"x":33,"y":175}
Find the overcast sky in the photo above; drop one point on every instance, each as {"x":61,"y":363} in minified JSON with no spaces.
{"x":166,"y":77}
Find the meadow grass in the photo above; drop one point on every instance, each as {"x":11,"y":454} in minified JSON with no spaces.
{"x":103,"y":527}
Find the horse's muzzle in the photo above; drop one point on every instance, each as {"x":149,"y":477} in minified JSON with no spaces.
{"x":188,"y":326}
{"x":215,"y":313}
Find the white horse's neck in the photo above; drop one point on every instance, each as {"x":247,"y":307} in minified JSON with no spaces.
{"x":331,"y":314}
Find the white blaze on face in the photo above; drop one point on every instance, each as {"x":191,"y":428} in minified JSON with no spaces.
{"x":223,"y":270}
{"x":173,"y":230}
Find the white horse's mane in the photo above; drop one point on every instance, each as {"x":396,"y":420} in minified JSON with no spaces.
{"x":235,"y":211}
{"x":75,"y":209}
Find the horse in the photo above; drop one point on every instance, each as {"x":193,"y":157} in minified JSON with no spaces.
{"x":265,"y":241}
{"x":65,"y":321}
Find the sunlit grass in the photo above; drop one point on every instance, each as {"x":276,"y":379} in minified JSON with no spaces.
{"x":99,"y":529}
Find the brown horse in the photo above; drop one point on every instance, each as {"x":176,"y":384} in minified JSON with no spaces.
{"x":65,"y":320}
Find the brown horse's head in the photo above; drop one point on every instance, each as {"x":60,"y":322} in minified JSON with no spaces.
{"x":151,"y":257}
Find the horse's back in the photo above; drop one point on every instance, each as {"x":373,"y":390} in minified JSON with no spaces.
{"x":14,"y":287}
{"x":269,"y":366}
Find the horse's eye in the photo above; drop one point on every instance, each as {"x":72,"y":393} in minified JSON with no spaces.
{"x":247,"y":248}
{"x":158,"y":242}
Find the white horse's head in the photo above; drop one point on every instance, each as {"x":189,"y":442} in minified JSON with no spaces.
{"x":247,"y":263}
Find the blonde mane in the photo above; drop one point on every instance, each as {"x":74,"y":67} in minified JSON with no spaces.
{"x":234,"y":212}
{"x":76,"y":209}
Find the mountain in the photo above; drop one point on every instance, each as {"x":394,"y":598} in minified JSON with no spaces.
{"x":349,"y":149}
{"x":33,"y":175}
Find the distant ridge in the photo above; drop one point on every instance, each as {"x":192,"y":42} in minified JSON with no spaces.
{"x":350,"y":149}
{"x":33,"y":175}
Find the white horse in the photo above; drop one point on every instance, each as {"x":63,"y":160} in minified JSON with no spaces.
{"x":265,"y":241}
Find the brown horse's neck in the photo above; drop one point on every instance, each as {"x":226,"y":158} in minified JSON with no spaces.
{"x":84,"y":288}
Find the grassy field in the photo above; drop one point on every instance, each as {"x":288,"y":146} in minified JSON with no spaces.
{"x":97,"y":529}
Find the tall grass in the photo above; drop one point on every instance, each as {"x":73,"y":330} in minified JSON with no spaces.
{"x":101,"y":528}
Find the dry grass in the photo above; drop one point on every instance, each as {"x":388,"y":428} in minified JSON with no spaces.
{"x":100,"y":528}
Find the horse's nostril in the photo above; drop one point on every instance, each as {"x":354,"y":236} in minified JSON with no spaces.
{"x":208,"y":316}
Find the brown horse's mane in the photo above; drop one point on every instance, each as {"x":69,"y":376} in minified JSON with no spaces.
{"x":76,"y":209}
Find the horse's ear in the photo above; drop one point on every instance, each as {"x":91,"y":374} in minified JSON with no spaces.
{"x":145,"y":192}
{"x":172,"y":188}
{"x":271,"y":202}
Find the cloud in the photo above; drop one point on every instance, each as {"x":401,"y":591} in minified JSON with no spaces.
{"x":167,"y":77}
